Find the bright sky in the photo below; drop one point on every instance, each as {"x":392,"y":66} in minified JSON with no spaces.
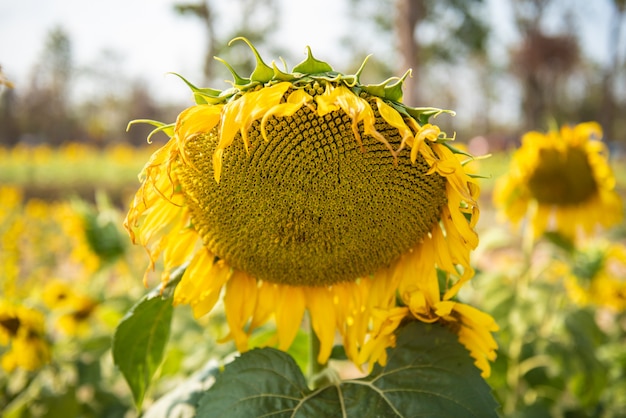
{"x":153,"y":40}
{"x":150,"y":36}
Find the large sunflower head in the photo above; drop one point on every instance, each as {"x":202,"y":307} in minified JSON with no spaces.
{"x":561,"y":181}
{"x":305,"y":190}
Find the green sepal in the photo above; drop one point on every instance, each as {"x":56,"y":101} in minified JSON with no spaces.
{"x":384,"y":90}
{"x":167,"y":129}
{"x":238,"y":80}
{"x":423,"y":114}
{"x":311,"y":65}
{"x":479,"y":176}
{"x":394,"y":91}
{"x":456,"y":150}
{"x":377,"y":90}
{"x":357,"y":75}
{"x":262,"y":72}
{"x":281,"y":75}
{"x":201,"y":95}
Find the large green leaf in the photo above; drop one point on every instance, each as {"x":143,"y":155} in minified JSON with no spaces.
{"x":428,"y":374}
{"x":139,"y":342}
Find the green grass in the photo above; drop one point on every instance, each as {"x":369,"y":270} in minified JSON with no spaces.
{"x":56,"y":173}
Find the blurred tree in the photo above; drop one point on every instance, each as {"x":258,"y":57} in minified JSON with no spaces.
{"x":9,"y":125}
{"x":204,"y":12}
{"x":104,"y":112}
{"x":430,"y":36}
{"x":431,"y":32}
{"x":611,"y":107}
{"x":45,"y":107}
{"x":256,"y":21}
{"x":9,"y":133}
{"x":4,"y":81}
{"x":139,"y":104}
{"x":543,"y":62}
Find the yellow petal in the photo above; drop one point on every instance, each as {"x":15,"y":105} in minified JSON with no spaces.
{"x":197,"y":119}
{"x":295,"y":101}
{"x":426,"y":132}
{"x":475,"y":316}
{"x":393,"y":118}
{"x":180,"y":248}
{"x":202,"y":283}
{"x":319,"y":301}
{"x":266,"y":302}
{"x":289,"y":313}
{"x":239,"y":303}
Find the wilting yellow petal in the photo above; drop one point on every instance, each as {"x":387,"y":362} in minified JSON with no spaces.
{"x":393,"y":118}
{"x":319,"y":302}
{"x":289,"y":312}
{"x":295,"y":101}
{"x":239,"y":302}
{"x":202,"y":283}
{"x":419,"y":286}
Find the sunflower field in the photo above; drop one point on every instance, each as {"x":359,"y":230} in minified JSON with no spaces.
{"x":308,"y":246}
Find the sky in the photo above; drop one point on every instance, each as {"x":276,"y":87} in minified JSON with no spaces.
{"x":149,"y":39}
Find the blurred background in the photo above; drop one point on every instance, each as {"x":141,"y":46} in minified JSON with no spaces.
{"x":81,"y":70}
{"x":74,"y":73}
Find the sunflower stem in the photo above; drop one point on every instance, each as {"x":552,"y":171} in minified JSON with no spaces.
{"x":522,"y":286}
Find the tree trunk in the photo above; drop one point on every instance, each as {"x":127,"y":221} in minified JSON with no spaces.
{"x":408,"y":15}
{"x":609,"y":106}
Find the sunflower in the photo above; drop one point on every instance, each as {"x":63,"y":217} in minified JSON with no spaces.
{"x":22,"y":331}
{"x":599,"y":277}
{"x":561,"y":181}
{"x":307,"y":191}
{"x":73,"y":308}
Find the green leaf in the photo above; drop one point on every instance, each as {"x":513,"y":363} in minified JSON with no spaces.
{"x":59,"y":405}
{"x":590,"y":375}
{"x":428,"y":374}
{"x":139,"y":341}
{"x":561,"y":241}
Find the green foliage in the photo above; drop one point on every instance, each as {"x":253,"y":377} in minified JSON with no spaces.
{"x":139,"y":342}
{"x":101,"y":229}
{"x":555,"y":358}
{"x":428,"y":374}
{"x":75,"y":170}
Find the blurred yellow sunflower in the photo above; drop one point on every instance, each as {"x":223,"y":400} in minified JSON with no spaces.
{"x":561,"y":181}
{"x":74,"y":309}
{"x":22,"y":332}
{"x":308,"y":191}
{"x":599,"y":277}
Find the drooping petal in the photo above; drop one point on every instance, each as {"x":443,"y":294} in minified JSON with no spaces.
{"x":289,"y":311}
{"x":239,"y":302}
{"x":319,"y":302}
{"x":202,"y":283}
